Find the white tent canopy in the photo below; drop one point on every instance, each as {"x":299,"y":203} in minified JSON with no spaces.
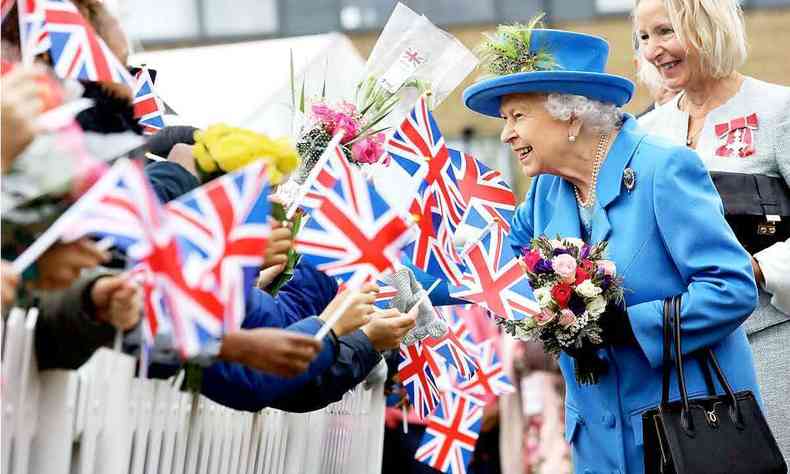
{"x":248,"y":84}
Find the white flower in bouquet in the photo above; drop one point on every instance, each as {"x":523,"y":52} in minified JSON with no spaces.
{"x":588,"y":289}
{"x":543,"y":295}
{"x":597,"y":306}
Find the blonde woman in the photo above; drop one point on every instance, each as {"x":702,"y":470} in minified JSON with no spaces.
{"x":738,"y":124}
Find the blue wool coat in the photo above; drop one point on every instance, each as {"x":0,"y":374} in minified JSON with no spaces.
{"x":667,"y":236}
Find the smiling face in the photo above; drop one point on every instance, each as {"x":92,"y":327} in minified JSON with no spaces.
{"x":537,"y":139}
{"x":660,"y":46}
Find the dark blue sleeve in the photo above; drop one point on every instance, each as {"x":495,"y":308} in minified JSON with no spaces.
{"x":307,"y":294}
{"x":309,"y":290}
{"x":356,"y":358}
{"x":243,"y":388}
{"x":170,"y":180}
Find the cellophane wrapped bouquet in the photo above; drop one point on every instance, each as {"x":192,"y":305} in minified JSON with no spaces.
{"x":574,"y":284}
{"x":410,"y":57}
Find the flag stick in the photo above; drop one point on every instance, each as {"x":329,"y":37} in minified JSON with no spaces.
{"x":433,"y":286}
{"x":53,"y":233}
{"x":334,"y":318}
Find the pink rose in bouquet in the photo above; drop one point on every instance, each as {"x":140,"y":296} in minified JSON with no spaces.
{"x":565,"y":266}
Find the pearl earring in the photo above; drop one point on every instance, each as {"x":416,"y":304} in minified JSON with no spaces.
{"x":571,"y":138}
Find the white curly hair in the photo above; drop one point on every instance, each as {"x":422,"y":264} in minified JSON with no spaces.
{"x":601,"y":117}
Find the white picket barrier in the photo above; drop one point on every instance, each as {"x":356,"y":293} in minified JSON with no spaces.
{"x":101,"y":419}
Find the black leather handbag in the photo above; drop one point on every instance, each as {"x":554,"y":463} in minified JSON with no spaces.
{"x":756,"y":206}
{"x":716,"y":434}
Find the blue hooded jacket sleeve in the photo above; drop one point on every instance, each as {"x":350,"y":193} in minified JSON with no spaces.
{"x":356,"y":358}
{"x":170,"y":180}
{"x":243,"y":388}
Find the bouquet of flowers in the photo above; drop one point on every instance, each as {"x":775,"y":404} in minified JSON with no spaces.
{"x":410,"y":57}
{"x":573,"y":284}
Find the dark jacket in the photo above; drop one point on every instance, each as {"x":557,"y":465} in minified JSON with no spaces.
{"x":357,"y":357}
{"x":67,"y":332}
{"x":109,"y":114}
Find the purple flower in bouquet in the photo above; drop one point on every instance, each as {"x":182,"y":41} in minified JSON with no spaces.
{"x":577,"y":305}
{"x":543,"y":266}
{"x":585,"y":251}
{"x":560,"y":251}
{"x":368,"y":150}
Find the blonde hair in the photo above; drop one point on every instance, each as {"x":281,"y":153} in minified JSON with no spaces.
{"x":715,"y":28}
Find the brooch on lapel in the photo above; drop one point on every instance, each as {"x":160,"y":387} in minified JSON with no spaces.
{"x":629,"y":179}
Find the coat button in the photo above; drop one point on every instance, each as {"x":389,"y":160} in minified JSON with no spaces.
{"x":608,"y":420}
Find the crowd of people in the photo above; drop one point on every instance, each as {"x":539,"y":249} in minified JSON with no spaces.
{"x":652,"y":187}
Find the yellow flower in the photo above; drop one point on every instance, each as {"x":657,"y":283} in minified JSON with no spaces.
{"x":230,"y":148}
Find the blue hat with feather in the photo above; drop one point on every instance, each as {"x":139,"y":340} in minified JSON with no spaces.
{"x":526,"y":59}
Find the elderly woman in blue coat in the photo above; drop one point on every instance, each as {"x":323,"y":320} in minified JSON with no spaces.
{"x":597,"y":176}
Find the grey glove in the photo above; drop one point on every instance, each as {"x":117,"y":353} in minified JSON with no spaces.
{"x":409,"y":293}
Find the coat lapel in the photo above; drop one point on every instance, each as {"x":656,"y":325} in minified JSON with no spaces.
{"x":610,"y":178}
{"x":565,"y":216}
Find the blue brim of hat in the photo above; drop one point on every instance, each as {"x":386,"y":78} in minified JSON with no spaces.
{"x":485,"y":96}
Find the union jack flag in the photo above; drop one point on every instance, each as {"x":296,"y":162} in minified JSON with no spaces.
{"x":148,"y":109}
{"x":433,"y":250}
{"x":77,"y":51}
{"x":490,"y":378}
{"x":33,"y":37}
{"x":451,"y":434}
{"x":120,"y":206}
{"x":353,"y":233}
{"x":418,"y":147}
{"x":480,"y":186}
{"x":420,"y":372}
{"x":123,"y":207}
{"x":494,"y":279}
{"x":456,"y":346}
{"x":223,"y":229}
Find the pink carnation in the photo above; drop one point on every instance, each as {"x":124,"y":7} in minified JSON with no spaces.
{"x":607,"y":267}
{"x":544,"y":317}
{"x":323,"y":113}
{"x":531,"y":258}
{"x":567,"y":318}
{"x":367,"y":150}
{"x":348,"y":124}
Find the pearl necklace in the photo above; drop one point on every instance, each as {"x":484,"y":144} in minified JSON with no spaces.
{"x":603,"y":142}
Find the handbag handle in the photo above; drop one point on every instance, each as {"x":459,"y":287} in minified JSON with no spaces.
{"x":706,"y":358}
{"x":672,"y":331}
